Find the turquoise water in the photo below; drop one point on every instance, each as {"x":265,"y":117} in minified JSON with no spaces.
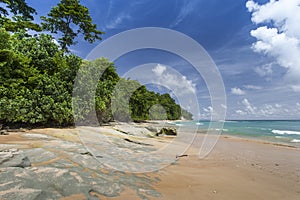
{"x":283,"y":132}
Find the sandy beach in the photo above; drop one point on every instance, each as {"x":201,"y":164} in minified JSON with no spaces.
{"x":235,"y":169}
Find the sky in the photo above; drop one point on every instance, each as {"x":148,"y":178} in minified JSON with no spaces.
{"x":255,"y":45}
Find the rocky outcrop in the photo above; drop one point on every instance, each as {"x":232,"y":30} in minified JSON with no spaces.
{"x":13,"y":158}
{"x":3,"y":132}
{"x":56,"y":168}
{"x":167,"y":131}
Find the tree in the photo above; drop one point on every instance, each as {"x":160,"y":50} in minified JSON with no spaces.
{"x":83,"y":102}
{"x":17,"y":7}
{"x":35,"y":81}
{"x":67,"y":15}
{"x":22,"y":16}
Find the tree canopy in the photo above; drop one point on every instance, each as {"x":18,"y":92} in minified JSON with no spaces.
{"x":22,"y":16}
{"x":67,"y":15}
{"x":37,"y":76}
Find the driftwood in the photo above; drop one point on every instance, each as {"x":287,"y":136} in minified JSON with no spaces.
{"x":140,"y":143}
{"x":183,"y":155}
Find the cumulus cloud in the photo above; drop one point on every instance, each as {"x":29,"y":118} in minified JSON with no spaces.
{"x":298,"y":106}
{"x":206,"y":113}
{"x":264,"y":71}
{"x":159,"y":69}
{"x":177,"y":83}
{"x":248,"y":107}
{"x":240,"y":112}
{"x":209,"y":109}
{"x":237,"y":91}
{"x":265,"y":111}
{"x":281,"y":38}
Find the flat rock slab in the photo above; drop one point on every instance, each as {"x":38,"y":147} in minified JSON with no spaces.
{"x":131,"y":129}
{"x":39,"y":155}
{"x":13,"y":158}
{"x":58,"y":168}
{"x":37,"y":136}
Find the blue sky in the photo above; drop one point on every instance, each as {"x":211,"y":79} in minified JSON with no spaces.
{"x":254,"y":44}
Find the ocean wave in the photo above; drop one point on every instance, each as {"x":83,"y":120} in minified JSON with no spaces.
{"x":295,"y":141}
{"x":265,"y":129}
{"x":283,"y":132}
{"x":199,"y":124}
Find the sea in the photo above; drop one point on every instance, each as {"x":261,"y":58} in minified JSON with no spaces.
{"x":285,"y":132}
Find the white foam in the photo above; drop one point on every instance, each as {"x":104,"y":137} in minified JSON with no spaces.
{"x":199,"y":124}
{"x":283,"y":132}
{"x":295,"y":140}
{"x":218,"y":129}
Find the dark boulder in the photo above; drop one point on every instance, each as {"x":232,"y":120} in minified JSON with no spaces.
{"x":167,"y":131}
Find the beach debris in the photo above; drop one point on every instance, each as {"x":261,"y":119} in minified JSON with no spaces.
{"x":167,"y":131}
{"x":183,"y":155}
{"x":87,"y":153}
{"x":3,"y":132}
{"x":140,"y":143}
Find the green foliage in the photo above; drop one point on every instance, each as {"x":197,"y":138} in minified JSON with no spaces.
{"x":22,"y":16}
{"x":4,"y":42}
{"x":18,"y":8}
{"x":67,"y":15}
{"x":121,"y":99}
{"x":36,"y":87}
{"x":35,"y":81}
{"x":186,"y":115}
{"x":157,"y":112}
{"x":89,"y":85}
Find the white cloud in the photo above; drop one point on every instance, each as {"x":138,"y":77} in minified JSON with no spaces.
{"x":240,"y":112}
{"x":209,"y":109}
{"x":159,"y":69}
{"x":253,"y":87}
{"x":237,"y":91}
{"x":264,"y":111}
{"x":298,"y":106}
{"x":179,"y":84}
{"x":186,"y":9}
{"x":118,"y":21}
{"x":281,"y":38}
{"x":55,"y":42}
{"x":224,"y":106}
{"x":207,"y":112}
{"x":248,"y":107}
{"x":264,"y":71}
